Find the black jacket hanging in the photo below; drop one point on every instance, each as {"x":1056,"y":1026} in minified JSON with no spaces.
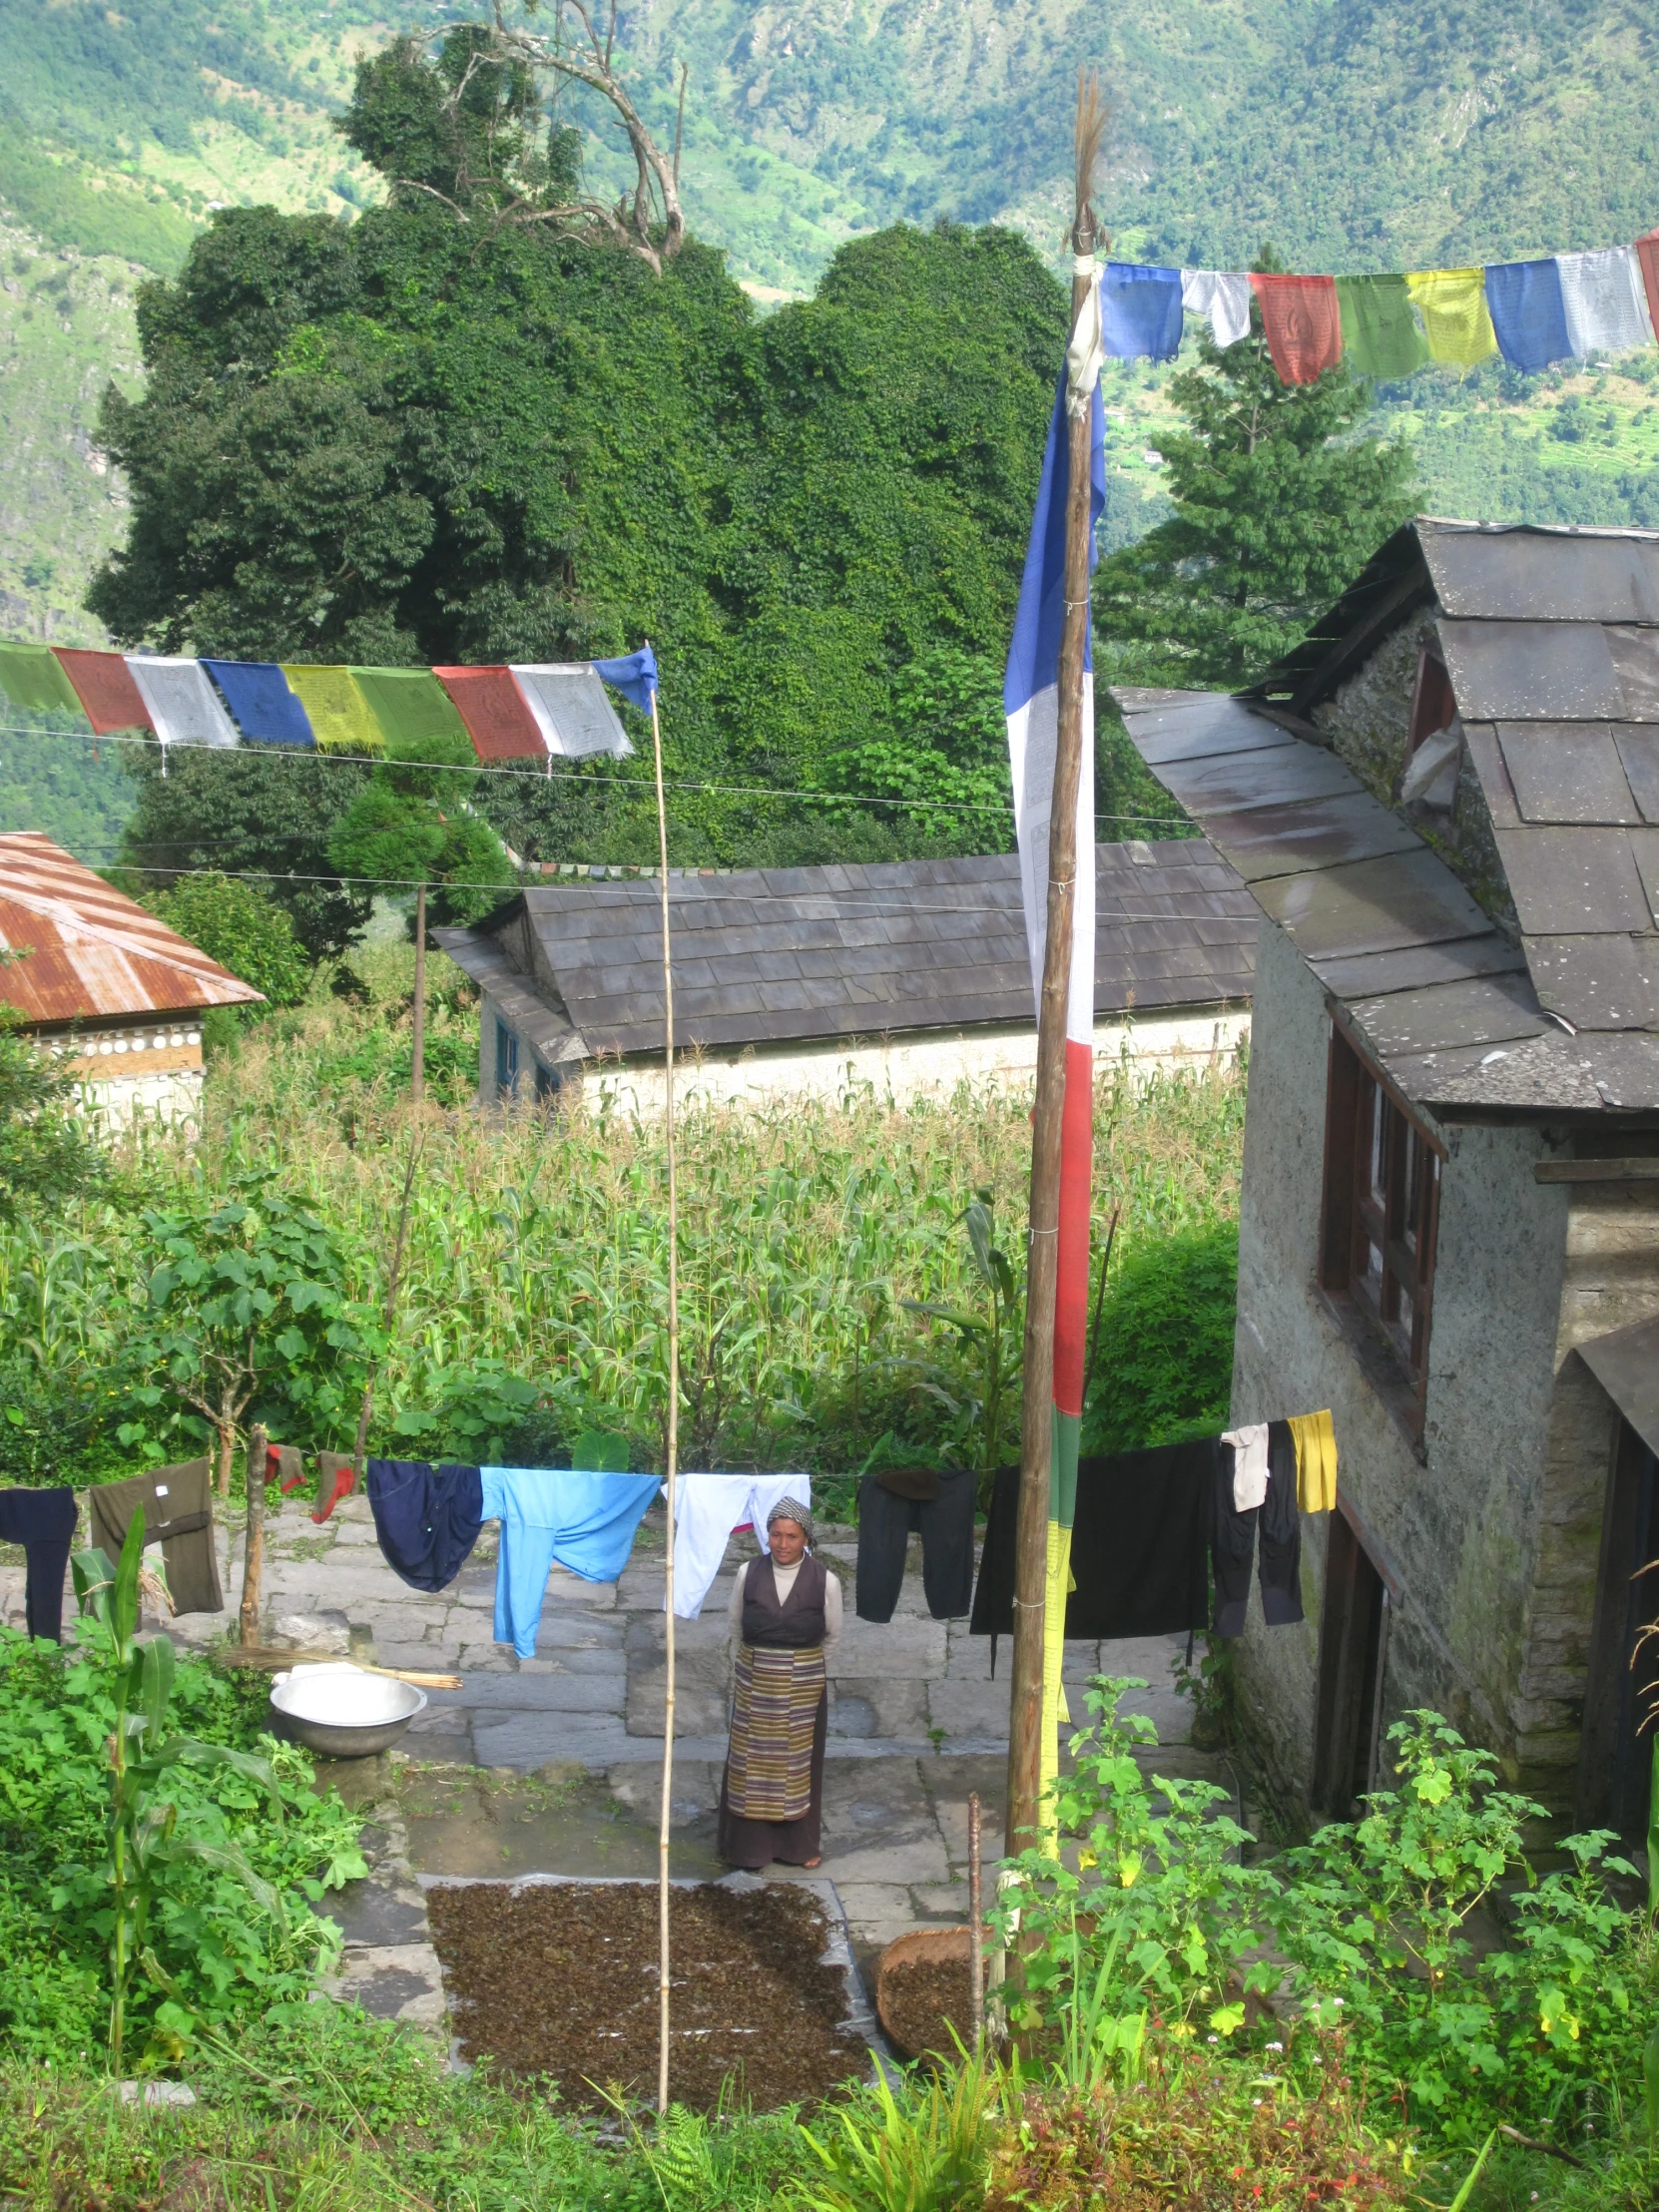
{"x":1280,"y":1531}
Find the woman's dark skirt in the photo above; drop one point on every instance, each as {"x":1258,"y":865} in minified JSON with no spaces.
{"x":756,"y":1843}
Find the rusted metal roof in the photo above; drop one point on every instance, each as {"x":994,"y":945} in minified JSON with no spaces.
{"x":1552,"y":641}
{"x":90,"y":953}
{"x":777,"y":957}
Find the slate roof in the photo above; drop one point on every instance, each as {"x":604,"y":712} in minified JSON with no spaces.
{"x":91,"y":953}
{"x":774,"y":956}
{"x":1551,"y":643}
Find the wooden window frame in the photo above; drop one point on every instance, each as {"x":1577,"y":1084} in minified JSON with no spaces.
{"x":1380,"y":1225}
{"x":506,"y":1059}
{"x":1432,"y":688}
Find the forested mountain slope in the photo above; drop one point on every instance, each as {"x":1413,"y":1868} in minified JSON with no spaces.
{"x":1354,"y":134}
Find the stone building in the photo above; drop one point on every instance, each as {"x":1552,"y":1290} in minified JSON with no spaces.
{"x":905,"y":978}
{"x":101,"y":981}
{"x":1446,"y":806}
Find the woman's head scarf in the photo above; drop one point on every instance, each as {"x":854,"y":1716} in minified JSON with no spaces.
{"x":791,"y":1509}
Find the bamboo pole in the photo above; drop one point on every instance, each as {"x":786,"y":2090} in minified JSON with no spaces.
{"x":417,"y":1073}
{"x":672,"y":1437}
{"x":252,"y":1558}
{"x":976,"y":1931}
{"x":1042,"y":1271}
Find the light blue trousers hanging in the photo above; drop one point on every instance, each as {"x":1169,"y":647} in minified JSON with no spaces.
{"x":583,"y":1521}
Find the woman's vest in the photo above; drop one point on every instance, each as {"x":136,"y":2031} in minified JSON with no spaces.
{"x":792,"y":1625}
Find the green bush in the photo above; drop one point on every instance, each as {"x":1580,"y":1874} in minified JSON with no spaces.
{"x":236,"y":924}
{"x":230,"y":1958}
{"x":1164,"y":1360}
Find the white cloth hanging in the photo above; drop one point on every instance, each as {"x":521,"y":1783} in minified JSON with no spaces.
{"x":707,"y":1508}
{"x":1605,"y":301}
{"x":1250,"y":1465}
{"x":1087,"y":348}
{"x":1221,"y":295}
{"x":182,"y":703}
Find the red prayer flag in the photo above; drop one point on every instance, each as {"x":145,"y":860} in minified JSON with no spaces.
{"x":1647,"y":254}
{"x":497,"y":720}
{"x":1303,"y":322}
{"x":104,"y":686}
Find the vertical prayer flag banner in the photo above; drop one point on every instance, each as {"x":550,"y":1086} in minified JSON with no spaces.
{"x":1031,"y":700}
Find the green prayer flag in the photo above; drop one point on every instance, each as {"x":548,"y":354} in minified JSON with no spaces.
{"x":32,"y":678}
{"x":416,"y":715}
{"x":337,"y":710}
{"x":1381,"y":335}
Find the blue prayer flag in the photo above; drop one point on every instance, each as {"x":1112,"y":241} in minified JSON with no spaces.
{"x":635,"y":676}
{"x":258,"y":694}
{"x":1528,"y":314}
{"x":1140,"y":312}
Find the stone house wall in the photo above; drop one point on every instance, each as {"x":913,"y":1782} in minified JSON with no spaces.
{"x":1478,"y":1524}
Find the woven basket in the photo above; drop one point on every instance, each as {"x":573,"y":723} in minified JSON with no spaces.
{"x":922,"y":1946}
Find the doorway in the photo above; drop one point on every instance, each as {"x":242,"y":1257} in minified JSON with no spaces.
{"x":1354,"y":1658}
{"x":1615,"y":1762}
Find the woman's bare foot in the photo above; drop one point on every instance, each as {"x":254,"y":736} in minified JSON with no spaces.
{"x":811,"y":1862}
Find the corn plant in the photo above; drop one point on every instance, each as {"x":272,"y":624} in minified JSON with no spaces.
{"x":143,"y":1846}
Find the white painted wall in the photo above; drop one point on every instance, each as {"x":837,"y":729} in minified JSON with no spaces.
{"x":147,"y":1069}
{"x":908,"y":1067}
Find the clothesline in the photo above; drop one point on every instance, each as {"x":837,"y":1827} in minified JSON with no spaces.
{"x":1558,"y":308}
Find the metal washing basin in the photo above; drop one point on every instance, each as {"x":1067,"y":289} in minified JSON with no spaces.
{"x":343,"y":1713}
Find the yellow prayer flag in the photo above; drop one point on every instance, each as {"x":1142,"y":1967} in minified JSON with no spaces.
{"x":1453,"y":303}
{"x":339,"y":715}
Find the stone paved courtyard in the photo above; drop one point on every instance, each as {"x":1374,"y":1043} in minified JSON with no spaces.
{"x":570,"y":1742}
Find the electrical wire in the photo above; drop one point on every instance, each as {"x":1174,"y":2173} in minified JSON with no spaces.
{"x":529,"y":771}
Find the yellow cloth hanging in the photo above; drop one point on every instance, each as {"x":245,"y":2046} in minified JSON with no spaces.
{"x":1316,"y":1461}
{"x":340,"y":714}
{"x":1453,"y":303}
{"x":1057,"y":1583}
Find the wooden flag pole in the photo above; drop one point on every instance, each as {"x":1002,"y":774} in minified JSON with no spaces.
{"x":1042,"y":1271}
{"x":672,"y":1437}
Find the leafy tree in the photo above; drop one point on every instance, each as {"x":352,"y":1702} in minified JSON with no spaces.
{"x":422,"y":439}
{"x":242,"y":928}
{"x":946,"y":741}
{"x":246,"y":1310}
{"x":413,"y":825}
{"x":47,"y":1152}
{"x":1278,"y":503}
{"x":256,"y":811}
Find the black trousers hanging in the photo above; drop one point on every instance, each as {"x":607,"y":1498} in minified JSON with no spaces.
{"x":944,"y":1522}
{"x":43,"y":1522}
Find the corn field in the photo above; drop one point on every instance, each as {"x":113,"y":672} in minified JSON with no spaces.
{"x":537,"y":1246}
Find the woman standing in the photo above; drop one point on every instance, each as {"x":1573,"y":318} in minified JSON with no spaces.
{"x":785,"y":1613}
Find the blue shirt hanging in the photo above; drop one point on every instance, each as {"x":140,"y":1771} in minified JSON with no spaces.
{"x":585,"y":1521}
{"x":257,"y":695}
{"x":635,"y":676}
{"x":1140,"y":312}
{"x":1528,"y":314}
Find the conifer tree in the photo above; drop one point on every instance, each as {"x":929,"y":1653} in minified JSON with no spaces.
{"x":1280,"y":501}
